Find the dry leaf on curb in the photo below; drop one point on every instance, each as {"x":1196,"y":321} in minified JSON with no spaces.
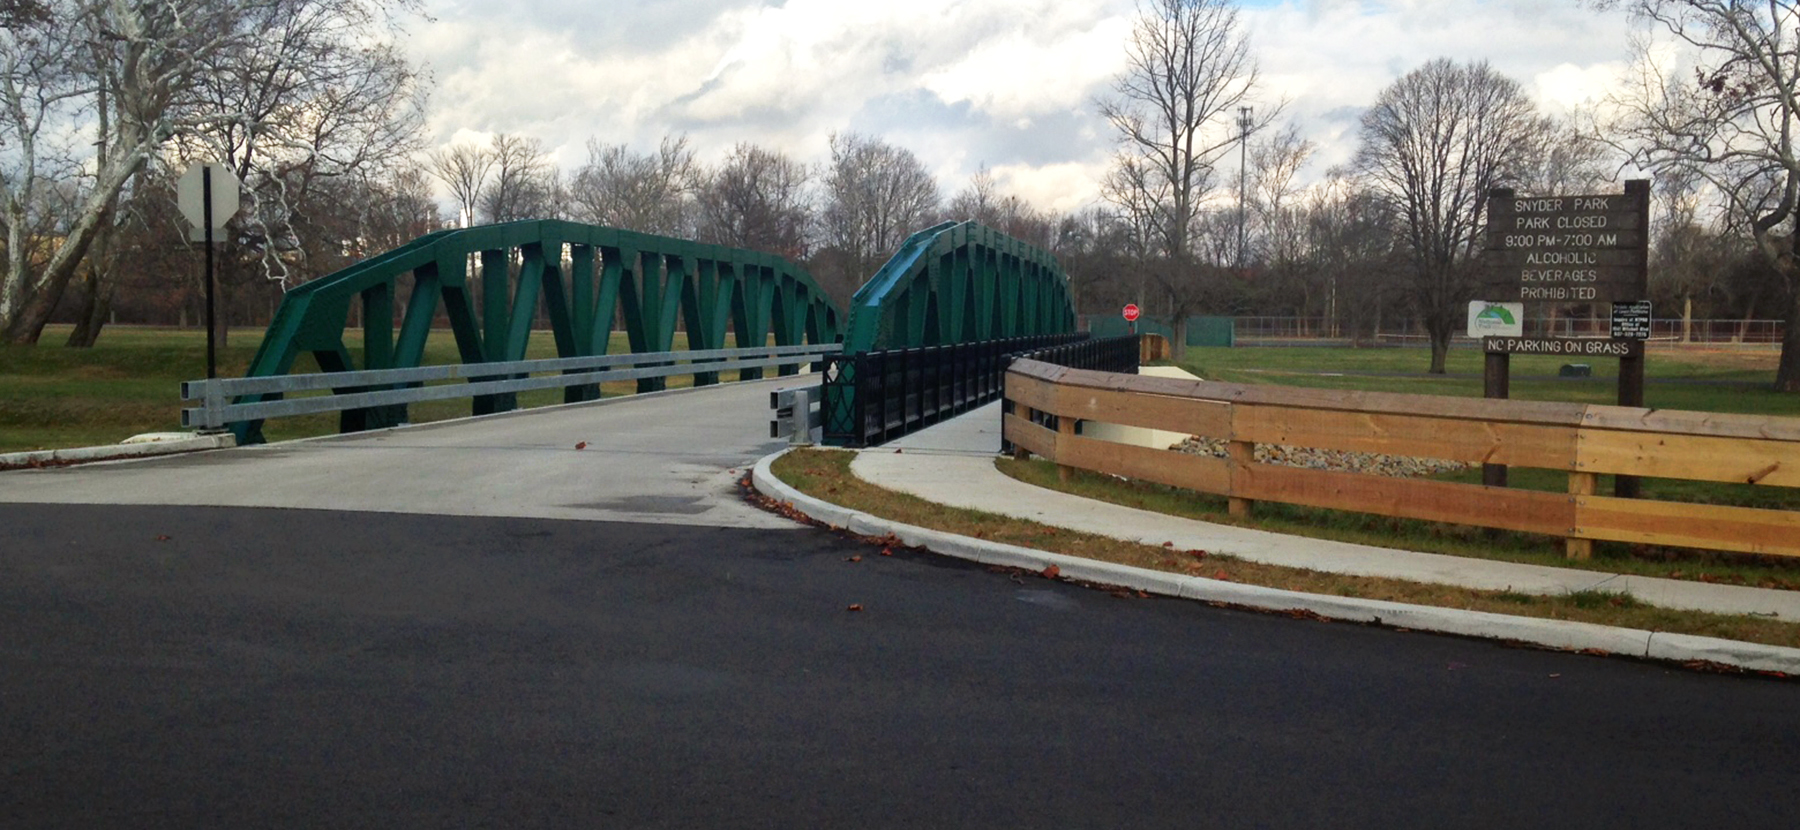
{"x":1168,"y":544}
{"x":857,"y":607}
{"x":1050,"y":572}
{"x":581,"y":446}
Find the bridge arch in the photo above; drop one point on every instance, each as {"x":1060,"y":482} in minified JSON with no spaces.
{"x":584,"y":278}
{"x":960,"y":282}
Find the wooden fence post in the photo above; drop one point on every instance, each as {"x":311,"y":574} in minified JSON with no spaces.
{"x":1025,"y":414}
{"x":1581,"y":484}
{"x":1065,"y":425}
{"x":1242,"y":454}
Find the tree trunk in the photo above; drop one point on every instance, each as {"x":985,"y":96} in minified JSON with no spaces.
{"x":96,"y":307}
{"x":1787,"y":374}
{"x":96,"y":289}
{"x":1439,"y":331}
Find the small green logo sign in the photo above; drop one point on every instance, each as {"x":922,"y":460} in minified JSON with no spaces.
{"x":1498,"y":313}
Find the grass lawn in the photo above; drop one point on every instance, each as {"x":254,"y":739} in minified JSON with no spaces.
{"x":130,"y":383}
{"x":1708,"y":380}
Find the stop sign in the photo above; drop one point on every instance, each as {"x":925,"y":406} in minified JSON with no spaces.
{"x":1131,"y":312}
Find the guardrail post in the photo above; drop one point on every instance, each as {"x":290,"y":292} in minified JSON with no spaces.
{"x":1065,"y":426}
{"x":802,"y":434}
{"x":1581,"y":484}
{"x":1242,"y":455}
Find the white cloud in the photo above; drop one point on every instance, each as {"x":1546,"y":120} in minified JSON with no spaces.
{"x":1006,"y":83}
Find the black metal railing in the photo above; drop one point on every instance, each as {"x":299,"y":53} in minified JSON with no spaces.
{"x":875,"y":397}
{"x":1101,"y":354}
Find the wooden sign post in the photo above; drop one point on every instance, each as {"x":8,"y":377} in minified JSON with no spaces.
{"x":1571,"y":249}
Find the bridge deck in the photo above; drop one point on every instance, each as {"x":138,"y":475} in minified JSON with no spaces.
{"x":668,"y":458}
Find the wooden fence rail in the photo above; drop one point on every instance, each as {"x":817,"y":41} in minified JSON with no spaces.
{"x":1585,"y":441}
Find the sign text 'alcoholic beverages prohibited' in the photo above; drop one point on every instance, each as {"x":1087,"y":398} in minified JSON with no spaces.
{"x":1568,"y":249}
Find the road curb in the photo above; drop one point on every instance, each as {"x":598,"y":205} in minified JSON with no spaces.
{"x":113,"y":452}
{"x":1556,"y":634}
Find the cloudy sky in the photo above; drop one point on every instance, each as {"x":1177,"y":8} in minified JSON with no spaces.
{"x":1009,"y":84}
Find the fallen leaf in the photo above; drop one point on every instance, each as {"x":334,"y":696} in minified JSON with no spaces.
{"x":887,"y":551}
{"x":1197,"y":554}
{"x":1168,"y":544}
{"x":162,"y":538}
{"x":1142,"y":594}
{"x":1050,"y":572}
{"x":896,"y":450}
{"x":1220,"y":574}
{"x":857,"y":607}
{"x":856,"y":558}
{"x":1556,"y":675}
{"x":581,"y":446}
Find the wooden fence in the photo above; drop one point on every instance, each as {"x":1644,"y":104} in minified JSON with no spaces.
{"x":1585,"y":441}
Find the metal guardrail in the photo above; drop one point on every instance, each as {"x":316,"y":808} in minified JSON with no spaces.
{"x":874,"y":397}
{"x":798,"y":411}
{"x":376,"y":388}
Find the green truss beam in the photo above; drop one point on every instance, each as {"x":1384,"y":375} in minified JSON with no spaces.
{"x":960,"y":283}
{"x":582,"y":278}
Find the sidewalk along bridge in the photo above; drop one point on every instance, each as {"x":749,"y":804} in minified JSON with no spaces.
{"x":954,"y":284}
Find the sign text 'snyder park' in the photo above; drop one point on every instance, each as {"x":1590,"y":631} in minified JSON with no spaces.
{"x":1566,"y":248}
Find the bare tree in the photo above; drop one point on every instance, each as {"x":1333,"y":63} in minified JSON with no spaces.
{"x":1433,"y":145}
{"x":324,"y":110}
{"x":1188,"y":73}
{"x":144,"y":65}
{"x":757,"y":200}
{"x":648,"y":192}
{"x":464,"y":169}
{"x":1278,"y":221}
{"x":876,"y":195}
{"x":1730,"y":120}
{"x":978,"y":201}
{"x":982,"y":201}
{"x":1350,"y":253}
{"x":524,"y":186}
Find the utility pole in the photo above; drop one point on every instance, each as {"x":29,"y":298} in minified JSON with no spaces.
{"x":1243,"y":177}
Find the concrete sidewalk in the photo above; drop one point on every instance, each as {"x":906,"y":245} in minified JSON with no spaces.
{"x":953,"y":464}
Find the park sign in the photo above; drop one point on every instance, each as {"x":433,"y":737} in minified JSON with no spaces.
{"x":1564,"y":346}
{"x":1568,"y":249}
{"x":1496,"y":319}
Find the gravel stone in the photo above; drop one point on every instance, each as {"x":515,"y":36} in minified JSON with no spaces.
{"x":1399,"y":466}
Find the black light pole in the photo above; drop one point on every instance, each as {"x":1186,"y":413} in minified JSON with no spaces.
{"x":206,"y":212}
{"x":1243,"y":176}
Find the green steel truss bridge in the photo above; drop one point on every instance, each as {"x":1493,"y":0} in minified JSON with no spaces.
{"x":953,"y":283}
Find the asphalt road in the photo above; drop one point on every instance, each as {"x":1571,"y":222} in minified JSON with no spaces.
{"x":179,"y":666}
